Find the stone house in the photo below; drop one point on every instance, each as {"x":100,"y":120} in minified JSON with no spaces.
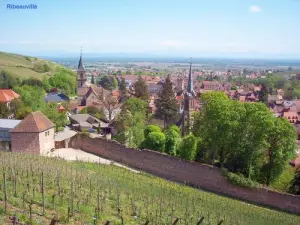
{"x":35,"y":134}
{"x":93,"y":97}
{"x":210,"y":85}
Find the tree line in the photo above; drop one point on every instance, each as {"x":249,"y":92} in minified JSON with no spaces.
{"x":244,"y":138}
{"x":32,"y":93}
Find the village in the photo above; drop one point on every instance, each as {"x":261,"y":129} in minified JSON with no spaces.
{"x":45,"y":138}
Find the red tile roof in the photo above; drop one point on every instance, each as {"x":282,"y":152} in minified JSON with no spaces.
{"x":35,"y":122}
{"x":179,"y":98}
{"x":116,"y":93}
{"x":7,"y":95}
{"x":242,"y":98}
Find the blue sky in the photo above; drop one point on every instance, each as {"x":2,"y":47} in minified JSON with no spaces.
{"x":195,"y":27}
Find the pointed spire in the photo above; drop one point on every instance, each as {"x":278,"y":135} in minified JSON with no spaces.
{"x":80,"y":66}
{"x":190,"y":88}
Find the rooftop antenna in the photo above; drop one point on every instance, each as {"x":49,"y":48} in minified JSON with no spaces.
{"x":81,"y":50}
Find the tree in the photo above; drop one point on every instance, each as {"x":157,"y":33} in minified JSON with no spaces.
{"x":248,"y":139}
{"x":122,"y":88}
{"x":63,"y":81}
{"x":108,"y":82}
{"x":7,"y":80}
{"x":215,"y":121}
{"x":110,"y":104}
{"x":263,"y":94}
{"x":188,"y":147}
{"x":172,"y":140}
{"x":59,"y":119}
{"x":19,"y":109}
{"x":155,"y":141}
{"x":46,"y":84}
{"x":32,"y":82}
{"x":282,"y":148}
{"x":92,"y":110}
{"x":141,"y":89}
{"x":295,"y":184}
{"x":166,"y":104}
{"x":4,"y":111}
{"x":32,"y":96}
{"x":93,"y":79}
{"x":131,"y":122}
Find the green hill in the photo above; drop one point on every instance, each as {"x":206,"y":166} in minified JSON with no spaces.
{"x":51,"y":187}
{"x":26,"y":66}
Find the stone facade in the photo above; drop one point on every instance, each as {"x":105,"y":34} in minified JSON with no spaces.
{"x":195,"y":174}
{"x":25,"y":142}
{"x":36,"y":143}
{"x":46,"y":140}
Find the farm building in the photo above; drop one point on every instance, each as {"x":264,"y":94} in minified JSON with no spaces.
{"x":35,"y":134}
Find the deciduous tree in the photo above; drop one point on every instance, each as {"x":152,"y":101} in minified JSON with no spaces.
{"x":282,"y":148}
{"x":108,"y":82}
{"x":141,"y":90}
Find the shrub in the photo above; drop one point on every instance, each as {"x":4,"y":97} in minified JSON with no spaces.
{"x":172,"y":141}
{"x":175,"y":128}
{"x":85,"y":133}
{"x":188,"y":147}
{"x":155,"y":141}
{"x":295,"y":184}
{"x":238,"y":179}
{"x":151,"y":128}
{"x":59,"y":129}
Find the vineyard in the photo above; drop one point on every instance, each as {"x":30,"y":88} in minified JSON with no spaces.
{"x":41,"y":190}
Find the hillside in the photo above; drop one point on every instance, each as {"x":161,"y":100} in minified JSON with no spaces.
{"x":26,"y":66}
{"x":50,"y":187}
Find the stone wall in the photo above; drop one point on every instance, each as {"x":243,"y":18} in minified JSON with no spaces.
{"x":25,"y":142}
{"x":194,"y":174}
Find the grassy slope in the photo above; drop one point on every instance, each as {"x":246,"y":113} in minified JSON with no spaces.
{"x":21,"y":66}
{"x":138,"y":196}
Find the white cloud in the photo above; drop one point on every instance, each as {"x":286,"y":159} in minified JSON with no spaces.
{"x":254,"y":9}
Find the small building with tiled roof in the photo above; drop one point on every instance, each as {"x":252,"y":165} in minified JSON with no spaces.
{"x":35,"y":134}
{"x":7,"y":95}
{"x":291,"y":116}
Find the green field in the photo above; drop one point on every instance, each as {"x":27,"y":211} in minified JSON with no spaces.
{"x":111,"y":193}
{"x":22,"y":66}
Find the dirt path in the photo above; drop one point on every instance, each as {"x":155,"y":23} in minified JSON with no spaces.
{"x":79,"y":155}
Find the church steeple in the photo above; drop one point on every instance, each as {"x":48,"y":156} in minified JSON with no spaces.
{"x":189,"y":104}
{"x":81,"y":76}
{"x":80,"y":66}
{"x":190,"y":89}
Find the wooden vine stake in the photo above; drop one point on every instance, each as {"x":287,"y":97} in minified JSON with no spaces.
{"x":43,"y":192}
{"x":5,"y":191}
{"x":175,"y":221}
{"x":220,"y":222}
{"x":200,"y":221}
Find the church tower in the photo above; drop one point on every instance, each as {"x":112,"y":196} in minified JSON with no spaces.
{"x":81,"y":76}
{"x":189,"y":104}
